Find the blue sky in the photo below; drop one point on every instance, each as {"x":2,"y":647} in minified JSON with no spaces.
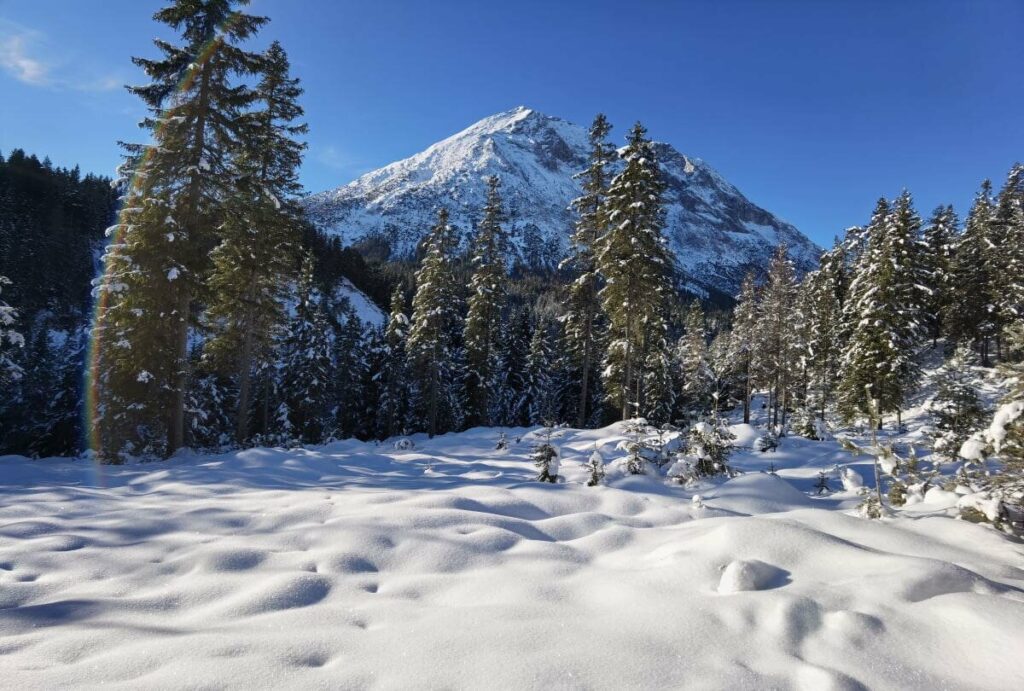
{"x":812,"y":108}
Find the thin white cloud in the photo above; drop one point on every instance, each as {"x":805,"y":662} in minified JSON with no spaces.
{"x":16,"y":61}
{"x":20,"y":51}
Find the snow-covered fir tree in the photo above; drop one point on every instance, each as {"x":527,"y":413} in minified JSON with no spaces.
{"x":392,"y":375}
{"x":435,"y":319}
{"x":881,"y":360}
{"x":776,"y":355}
{"x":744,"y":337}
{"x":694,"y":361}
{"x":939,"y":238}
{"x":637,"y":267}
{"x":955,"y":409}
{"x":350,"y":377}
{"x":172,"y":208}
{"x":543,"y":391}
{"x":1007,"y":237}
{"x":10,"y":338}
{"x":305,"y":366}
{"x":822,"y":295}
{"x":485,"y":306}
{"x":255,"y":259}
{"x":971,"y":307}
{"x":583,"y":319}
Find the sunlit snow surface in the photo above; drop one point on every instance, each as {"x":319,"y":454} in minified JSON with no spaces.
{"x":357,"y":565}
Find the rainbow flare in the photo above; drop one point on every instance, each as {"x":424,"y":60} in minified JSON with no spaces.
{"x":103,"y":292}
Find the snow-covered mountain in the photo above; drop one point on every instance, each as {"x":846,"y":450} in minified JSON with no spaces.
{"x":717,"y":233}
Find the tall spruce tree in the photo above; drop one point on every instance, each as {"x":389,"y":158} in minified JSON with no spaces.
{"x":171,"y":210}
{"x":970,"y":314}
{"x":305,"y":365}
{"x":939,"y":238}
{"x":694,"y":361}
{"x":256,"y":257}
{"x":583,"y":317}
{"x":744,"y":338}
{"x":776,"y":351}
{"x":542,"y":392}
{"x":881,"y":361}
{"x":1007,"y":237}
{"x":9,"y":339}
{"x":435,"y":317}
{"x":392,"y":410}
{"x":482,"y":336}
{"x":823,"y":293}
{"x":637,"y":267}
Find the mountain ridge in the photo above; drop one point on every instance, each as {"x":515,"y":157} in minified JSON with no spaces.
{"x":717,"y":234}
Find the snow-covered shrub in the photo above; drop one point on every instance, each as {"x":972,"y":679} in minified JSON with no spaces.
{"x":851,"y":479}
{"x":637,"y":451}
{"x":595,"y":464}
{"x":766,"y":442}
{"x":955,"y":410}
{"x":503,"y":442}
{"x":706,"y":454}
{"x":806,"y":424}
{"x":869,"y":506}
{"x":994,"y":462}
{"x":821,"y":485}
{"x":404,"y":444}
{"x":545,"y":455}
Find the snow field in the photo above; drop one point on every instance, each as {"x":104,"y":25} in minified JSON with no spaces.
{"x":361,"y":566}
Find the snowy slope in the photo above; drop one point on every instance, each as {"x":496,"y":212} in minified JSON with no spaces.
{"x":716,"y":232}
{"x":364,"y":307}
{"x":358,"y":565}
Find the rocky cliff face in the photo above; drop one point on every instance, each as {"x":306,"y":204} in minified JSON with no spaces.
{"x":717,"y":234}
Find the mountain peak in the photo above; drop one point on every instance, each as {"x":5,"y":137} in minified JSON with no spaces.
{"x":717,"y":233}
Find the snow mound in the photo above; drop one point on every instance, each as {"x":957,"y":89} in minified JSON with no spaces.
{"x":741,"y":575}
{"x":756,"y":493}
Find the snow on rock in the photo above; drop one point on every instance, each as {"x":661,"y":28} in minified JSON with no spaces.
{"x":741,"y":575}
{"x":716,"y":232}
{"x":350,"y":565}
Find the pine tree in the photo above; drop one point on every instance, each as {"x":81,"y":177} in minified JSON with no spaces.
{"x":881,"y":360}
{"x":542,"y":392}
{"x":431,"y":346}
{"x":939,"y":239}
{"x":744,"y":339}
{"x":9,"y":338}
{"x":698,"y":379}
{"x":970,"y":312}
{"x":776,"y":349}
{"x":393,"y":375}
{"x":637,"y":267}
{"x":350,"y":377}
{"x":255,"y":258}
{"x":485,"y":306}
{"x":583,"y":319}
{"x":823,"y":294}
{"x":1007,"y":251}
{"x":305,"y":365}
{"x":168,"y":222}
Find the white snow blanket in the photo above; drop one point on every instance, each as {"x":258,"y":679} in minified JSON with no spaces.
{"x":446,"y":566}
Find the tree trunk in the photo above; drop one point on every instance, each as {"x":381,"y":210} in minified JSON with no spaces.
{"x":581,"y":416}
{"x":176,"y":433}
{"x":746,"y":396}
{"x":244,"y":384}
